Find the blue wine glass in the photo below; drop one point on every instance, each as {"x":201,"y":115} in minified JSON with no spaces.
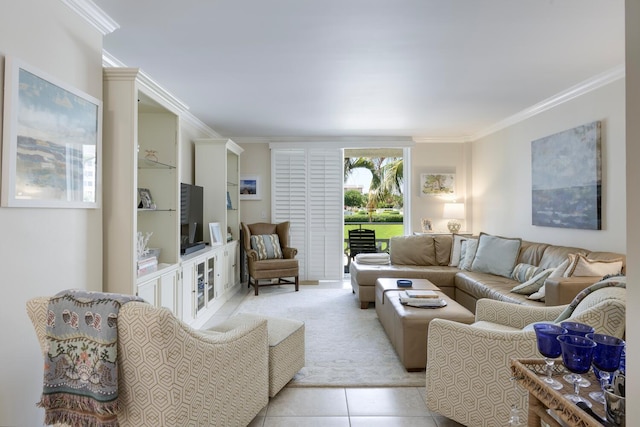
{"x":549,"y":346}
{"x":580,"y":329}
{"x":606,"y":359}
{"x":577,"y":355}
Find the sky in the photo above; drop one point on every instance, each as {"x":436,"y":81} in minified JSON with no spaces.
{"x":362,"y":177}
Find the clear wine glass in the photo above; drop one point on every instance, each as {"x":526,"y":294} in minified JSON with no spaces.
{"x":549,"y":346}
{"x":577,"y":355}
{"x":580,"y":329}
{"x":606,"y":359}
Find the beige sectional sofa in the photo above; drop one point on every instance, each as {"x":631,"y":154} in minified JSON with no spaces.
{"x":429,"y":257}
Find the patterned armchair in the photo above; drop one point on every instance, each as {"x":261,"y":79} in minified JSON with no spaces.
{"x":468,"y":366}
{"x":171,"y":374}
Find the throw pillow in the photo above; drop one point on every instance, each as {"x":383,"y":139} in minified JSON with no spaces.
{"x":496,"y":255}
{"x":559,"y":270}
{"x":467,"y":252}
{"x":523,"y":272}
{"x":588,"y":267}
{"x":267,"y":246}
{"x":456,"y":247}
{"x":538,"y":296}
{"x":534,"y":284}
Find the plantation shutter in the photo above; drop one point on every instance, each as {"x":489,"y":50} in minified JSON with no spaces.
{"x":307,"y":191}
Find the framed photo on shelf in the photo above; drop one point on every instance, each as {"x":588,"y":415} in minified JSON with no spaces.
{"x":215,"y":234}
{"x":51,"y":140}
{"x":250,"y":187}
{"x":229,"y":205}
{"x":146,"y":202}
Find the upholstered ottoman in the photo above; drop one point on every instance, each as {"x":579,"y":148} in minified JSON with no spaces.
{"x":286,"y":346}
{"x":407,"y":327}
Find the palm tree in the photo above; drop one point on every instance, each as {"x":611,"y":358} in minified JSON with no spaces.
{"x":386,"y":181}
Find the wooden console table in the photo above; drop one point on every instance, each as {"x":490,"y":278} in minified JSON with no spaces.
{"x":529,"y":373}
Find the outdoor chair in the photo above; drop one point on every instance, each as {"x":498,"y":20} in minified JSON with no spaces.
{"x":361,"y":241}
{"x":269,"y":255}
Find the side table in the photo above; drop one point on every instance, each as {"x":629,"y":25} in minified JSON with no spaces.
{"x":528,"y":372}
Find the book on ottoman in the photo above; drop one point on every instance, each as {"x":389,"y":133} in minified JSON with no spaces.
{"x":414,"y":293}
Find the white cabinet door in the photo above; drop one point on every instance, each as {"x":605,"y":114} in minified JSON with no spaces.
{"x":148,"y":291}
{"x":188,"y":280}
{"x":168,"y":286}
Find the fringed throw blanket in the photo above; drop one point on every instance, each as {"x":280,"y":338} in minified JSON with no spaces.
{"x":80,"y":369}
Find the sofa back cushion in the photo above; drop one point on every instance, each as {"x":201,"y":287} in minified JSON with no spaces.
{"x":443,"y":246}
{"x":413,"y":250}
{"x":531,"y":252}
{"x":555,"y":255}
{"x":496,"y":255}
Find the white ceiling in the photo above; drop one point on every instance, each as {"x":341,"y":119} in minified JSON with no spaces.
{"x":419,"y":68}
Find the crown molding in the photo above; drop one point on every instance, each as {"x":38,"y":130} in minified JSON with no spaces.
{"x":158,"y":91}
{"x":573,"y":92}
{"x":93,"y":15}
{"x":442,"y":139}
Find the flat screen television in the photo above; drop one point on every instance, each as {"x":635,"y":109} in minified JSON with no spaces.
{"x":191,"y":216}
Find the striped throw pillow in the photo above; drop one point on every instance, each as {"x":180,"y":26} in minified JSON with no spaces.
{"x":267,"y":246}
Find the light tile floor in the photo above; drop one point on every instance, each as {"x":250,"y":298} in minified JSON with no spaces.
{"x":341,"y":407}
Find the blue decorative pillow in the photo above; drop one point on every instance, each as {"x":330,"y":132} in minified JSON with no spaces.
{"x":496,"y":255}
{"x":523,"y":272}
{"x":267,"y":246}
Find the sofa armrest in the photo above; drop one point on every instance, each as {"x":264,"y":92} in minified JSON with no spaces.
{"x":468,"y":375}
{"x":562,"y":290}
{"x":514,"y":315}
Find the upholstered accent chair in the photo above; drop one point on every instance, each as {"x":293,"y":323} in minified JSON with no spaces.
{"x":269,"y":255}
{"x":173,"y":375}
{"x":468,"y":374}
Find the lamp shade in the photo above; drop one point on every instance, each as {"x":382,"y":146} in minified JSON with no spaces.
{"x":453,"y":211}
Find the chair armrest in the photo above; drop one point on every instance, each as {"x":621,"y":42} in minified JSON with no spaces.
{"x":203,"y":379}
{"x":468,"y":371}
{"x":514,"y":315}
{"x":562,"y":290}
{"x":252,"y":254}
{"x":289,"y":253}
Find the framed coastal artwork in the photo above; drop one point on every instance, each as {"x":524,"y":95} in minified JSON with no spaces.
{"x":51,"y":141}
{"x":437,"y":184}
{"x":250,"y":187}
{"x":566,"y":179}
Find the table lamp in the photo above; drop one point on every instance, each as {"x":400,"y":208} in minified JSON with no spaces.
{"x":453,"y":212}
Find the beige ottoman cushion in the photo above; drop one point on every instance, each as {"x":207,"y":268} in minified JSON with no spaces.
{"x":286,"y":346}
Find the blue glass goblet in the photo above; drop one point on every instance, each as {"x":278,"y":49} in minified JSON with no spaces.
{"x":549,"y":347}
{"x":580,"y":329}
{"x":606,"y":359}
{"x":577,"y":355}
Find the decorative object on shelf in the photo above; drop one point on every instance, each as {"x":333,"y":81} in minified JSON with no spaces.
{"x":215,"y":233}
{"x":426,"y":225}
{"x":437,"y":184}
{"x":229,"y":235}
{"x":146,"y":202}
{"x":229,"y":205}
{"x":50,"y":148}
{"x":250,"y":187}
{"x":565,"y":174}
{"x":142,"y":242}
{"x":453,"y":212}
{"x":151,"y":155}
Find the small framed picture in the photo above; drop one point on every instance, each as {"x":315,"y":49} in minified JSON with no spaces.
{"x":215,"y":234}
{"x":146,"y":202}
{"x":250,"y":187}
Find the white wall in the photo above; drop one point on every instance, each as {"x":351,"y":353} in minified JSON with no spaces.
{"x":633,"y":205}
{"x":439,"y":158}
{"x":501,"y":173}
{"x":43,"y":251}
{"x":256,"y":160}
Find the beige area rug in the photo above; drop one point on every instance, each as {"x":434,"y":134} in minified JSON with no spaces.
{"x":345,"y":346}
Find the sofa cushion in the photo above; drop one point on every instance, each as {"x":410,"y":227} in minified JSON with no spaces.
{"x":412,"y":250}
{"x":442,"y":246}
{"x":467,"y":252}
{"x":496,"y":255}
{"x":534,"y":284}
{"x":267,"y":246}
{"x":581,"y":266}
